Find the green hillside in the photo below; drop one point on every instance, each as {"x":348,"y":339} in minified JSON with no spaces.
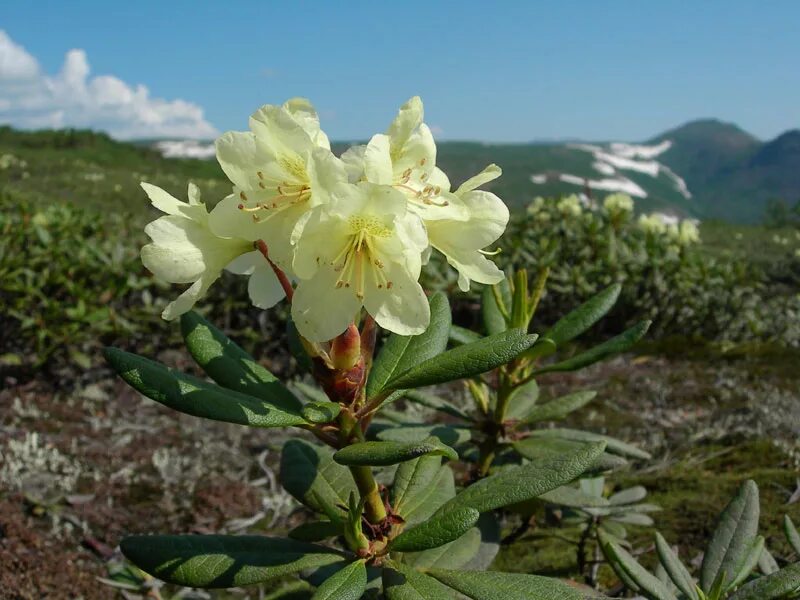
{"x":731,"y":175}
{"x":93,"y":170}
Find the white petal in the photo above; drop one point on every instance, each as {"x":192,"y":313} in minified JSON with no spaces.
{"x":445,"y":206}
{"x":162,"y":200}
{"x":439,"y":178}
{"x":226,"y":220}
{"x":186,"y":301}
{"x":278,"y":133}
{"x":488,"y":174}
{"x":472,"y":265}
{"x":486,"y":222}
{"x":193,"y":193}
{"x":177,"y":253}
{"x":320,"y":310}
{"x":402,"y":309}
{"x":277,"y":232}
{"x":417,"y":153}
{"x":246,"y":263}
{"x":239,"y":158}
{"x":264,"y":288}
{"x":353,"y":159}
{"x":408,"y":118}
{"x":325,"y":172}
{"x":304,"y":113}
{"x":320,"y":241}
{"x":377,"y":160}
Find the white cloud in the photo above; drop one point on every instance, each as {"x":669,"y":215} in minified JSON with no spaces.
{"x":30,"y":98}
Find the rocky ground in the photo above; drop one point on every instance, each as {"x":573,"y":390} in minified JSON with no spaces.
{"x":79,"y":469}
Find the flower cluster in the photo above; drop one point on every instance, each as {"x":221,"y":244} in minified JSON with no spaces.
{"x":335,"y":234}
{"x":684,"y":232}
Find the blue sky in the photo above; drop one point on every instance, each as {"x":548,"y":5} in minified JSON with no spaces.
{"x":501,"y":71}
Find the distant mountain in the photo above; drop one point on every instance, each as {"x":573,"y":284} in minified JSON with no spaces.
{"x":705,"y":169}
{"x":730,"y":172}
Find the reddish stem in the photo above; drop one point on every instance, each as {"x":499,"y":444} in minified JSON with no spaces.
{"x":284,"y":281}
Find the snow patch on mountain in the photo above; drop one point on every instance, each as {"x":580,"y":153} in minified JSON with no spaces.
{"x":185,"y":149}
{"x":613,"y":161}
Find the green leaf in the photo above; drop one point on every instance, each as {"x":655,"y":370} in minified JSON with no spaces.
{"x":348,"y":583}
{"x":629,"y":495}
{"x":615,"y":345}
{"x":560,"y":407}
{"x":573,"y":498}
{"x":462,"y":335}
{"x":230,"y":366}
{"x":221,"y":561}
{"x":436,"y":403}
{"x":792,"y":535}
{"x":416,"y":433}
{"x":420,"y":487}
{"x":316,"y":531}
{"x":465,"y":361}
{"x":675,"y":569}
{"x":634,"y":519}
{"x":391,"y":453}
{"x":309,"y":473}
{"x":613,"y":445}
{"x":522,"y":400}
{"x":748,"y":564}
{"x":196,"y":397}
{"x":400,"y":353}
{"x":493,"y":319}
{"x":454,"y":555}
{"x":321,"y":412}
{"x":782,"y":585}
{"x":631,"y":571}
{"x":583,"y":317}
{"x":491,"y":585}
{"x":401,"y":582}
{"x":438,"y":531}
{"x":534,"y":448}
{"x":488,"y":527}
{"x":517,"y":484}
{"x":310,"y":392}
{"x":767,"y":563}
{"x":736,"y":528}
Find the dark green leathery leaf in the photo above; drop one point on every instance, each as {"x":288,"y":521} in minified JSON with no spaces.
{"x":321,"y":412}
{"x":220,"y":561}
{"x":196,"y":397}
{"x":309,"y":473}
{"x":437,"y":531}
{"x":491,"y":585}
{"x":348,"y":583}
{"x":616,"y":345}
{"x":230,"y":366}
{"x":400,"y":353}
{"x":518,"y":484}
{"x":465,"y":361}
{"x":391,"y":453}
{"x":736,"y":528}
{"x":582,"y":318}
{"x":402,"y":582}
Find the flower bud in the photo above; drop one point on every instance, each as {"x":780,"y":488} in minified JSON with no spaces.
{"x":346,"y":349}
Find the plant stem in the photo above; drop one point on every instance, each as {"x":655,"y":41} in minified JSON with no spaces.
{"x":488,"y":449}
{"x":368,"y":488}
{"x":350,"y":432}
